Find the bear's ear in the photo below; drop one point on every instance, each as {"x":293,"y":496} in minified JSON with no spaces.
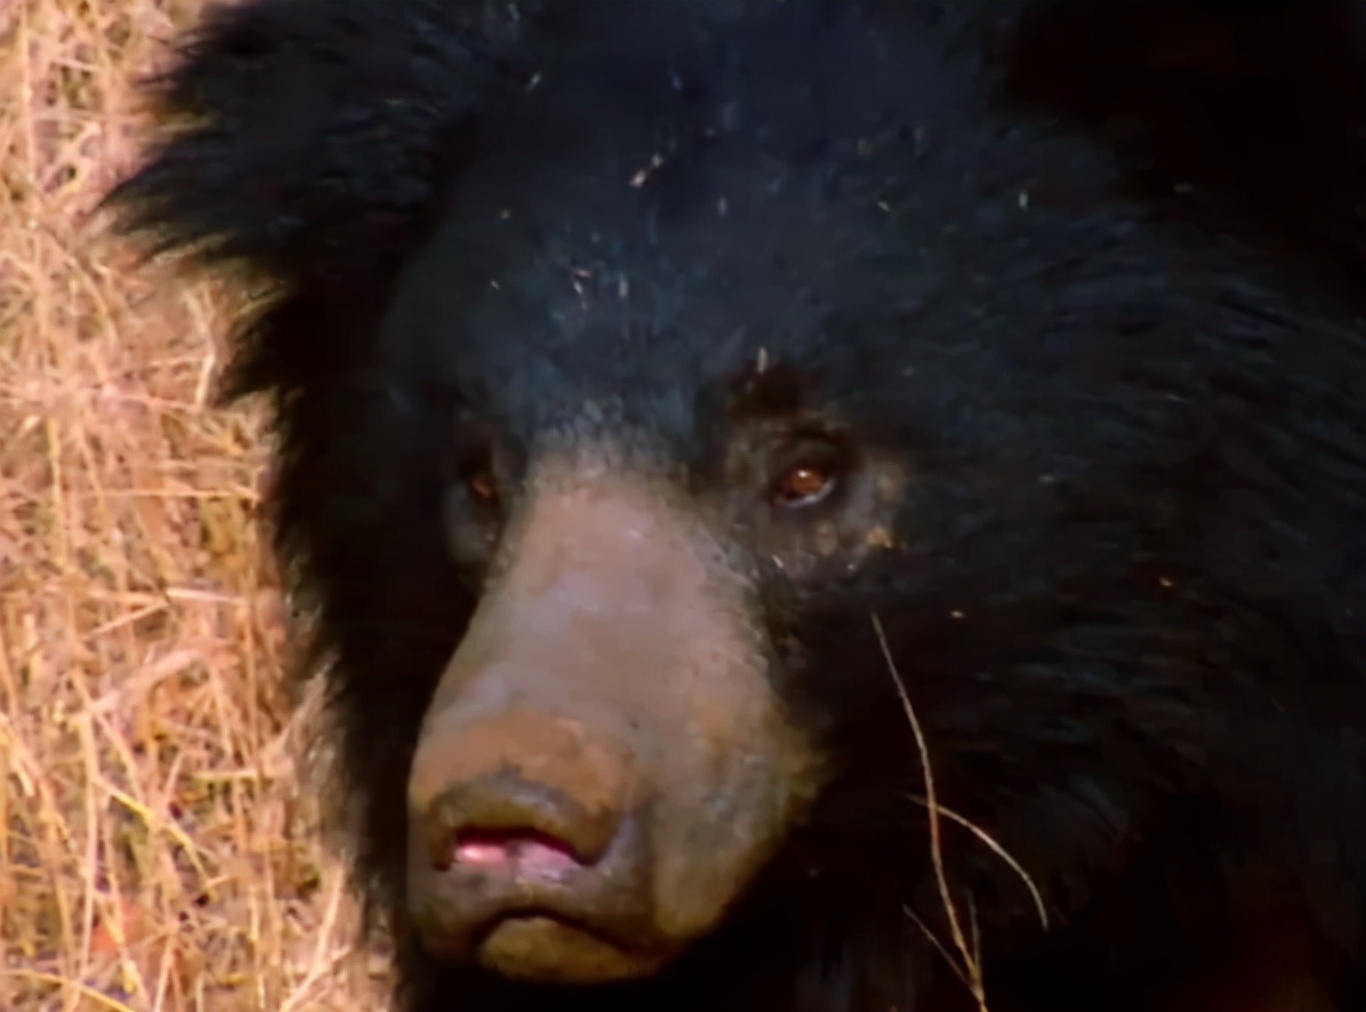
{"x":304,"y":139}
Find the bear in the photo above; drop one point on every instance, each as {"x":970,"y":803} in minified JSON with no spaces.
{"x":812,"y":505}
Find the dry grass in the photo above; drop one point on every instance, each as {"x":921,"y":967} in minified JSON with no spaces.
{"x":155,"y":850}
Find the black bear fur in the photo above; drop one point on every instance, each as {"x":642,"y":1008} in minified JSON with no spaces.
{"x":1122,"y":263}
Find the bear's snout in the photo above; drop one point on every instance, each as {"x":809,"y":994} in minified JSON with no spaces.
{"x":605,"y":765}
{"x":526,"y":848}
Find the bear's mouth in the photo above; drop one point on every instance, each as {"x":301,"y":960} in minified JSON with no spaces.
{"x":524,"y":905}
{"x":523,"y":855}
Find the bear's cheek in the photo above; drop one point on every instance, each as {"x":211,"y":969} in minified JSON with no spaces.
{"x":605,"y":765}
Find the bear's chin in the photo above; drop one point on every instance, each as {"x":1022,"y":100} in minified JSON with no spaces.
{"x":542,"y":950}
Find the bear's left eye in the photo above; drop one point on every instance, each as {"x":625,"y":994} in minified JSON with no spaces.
{"x":807,"y":478}
{"x":804,"y":486}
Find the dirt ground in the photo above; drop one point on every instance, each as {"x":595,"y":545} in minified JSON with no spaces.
{"x":156,"y":850}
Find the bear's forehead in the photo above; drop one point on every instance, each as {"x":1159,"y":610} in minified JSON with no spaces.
{"x":649,"y":221}
{"x":583,"y":284}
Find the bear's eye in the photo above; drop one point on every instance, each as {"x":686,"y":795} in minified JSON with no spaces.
{"x":807,"y":478}
{"x":477,"y":473}
{"x":804,"y":485}
{"x":473,"y":509}
{"x":483,"y":486}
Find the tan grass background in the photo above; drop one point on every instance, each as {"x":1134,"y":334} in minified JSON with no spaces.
{"x":156,"y":851}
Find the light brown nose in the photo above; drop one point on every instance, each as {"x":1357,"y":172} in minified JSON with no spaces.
{"x":485,"y":790}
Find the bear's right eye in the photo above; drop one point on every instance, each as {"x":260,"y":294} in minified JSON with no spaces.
{"x":482,"y":486}
{"x":473,"y":507}
{"x":477,"y":473}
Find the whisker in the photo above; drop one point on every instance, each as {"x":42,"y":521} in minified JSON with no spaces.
{"x":970,"y":962}
{"x":1000,"y":851}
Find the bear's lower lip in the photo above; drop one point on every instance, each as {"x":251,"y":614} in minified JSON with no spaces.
{"x":541,"y":948}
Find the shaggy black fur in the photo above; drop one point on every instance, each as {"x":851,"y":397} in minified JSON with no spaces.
{"x":1093,"y":272}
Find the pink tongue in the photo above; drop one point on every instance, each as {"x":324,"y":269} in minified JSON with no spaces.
{"x":523,"y":855}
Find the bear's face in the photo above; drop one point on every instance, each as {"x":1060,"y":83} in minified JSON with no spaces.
{"x":663,"y":388}
{"x":644,"y":486}
{"x":712,"y":408}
